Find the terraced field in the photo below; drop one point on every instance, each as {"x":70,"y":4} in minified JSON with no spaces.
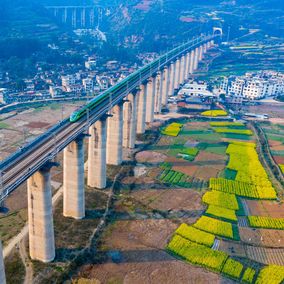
{"x":242,"y":177}
{"x":275,"y":136}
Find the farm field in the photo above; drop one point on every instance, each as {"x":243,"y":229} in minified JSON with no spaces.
{"x":168,"y":219}
{"x":275,"y":135}
{"x":23,"y":126}
{"x":243,"y":176}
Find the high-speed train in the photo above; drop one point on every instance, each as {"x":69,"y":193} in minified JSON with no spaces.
{"x":138,"y":76}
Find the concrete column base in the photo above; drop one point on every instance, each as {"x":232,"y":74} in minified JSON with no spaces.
{"x":73,"y":180}
{"x":114,"y":136}
{"x":40,"y":217}
{"x":97,"y":154}
{"x":2,"y":267}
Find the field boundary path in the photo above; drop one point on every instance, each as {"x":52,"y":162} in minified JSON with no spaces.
{"x":243,"y":222}
{"x":245,"y":207}
{"x":26,"y":261}
{"x":267,"y":160}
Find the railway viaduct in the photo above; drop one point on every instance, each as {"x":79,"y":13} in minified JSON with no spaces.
{"x":109,"y":127}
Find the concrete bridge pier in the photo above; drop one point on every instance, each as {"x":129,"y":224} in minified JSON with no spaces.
{"x":97,"y":154}
{"x":205,"y":48}
{"x":196,"y":58}
{"x":73,"y":180}
{"x":114,"y":136}
{"x":151,"y":90}
{"x":182,"y":70}
{"x":40,"y":217}
{"x":191,"y":62}
{"x":130,"y":121}
{"x":172,"y":79}
{"x":187,"y":66}
{"x":165,"y":88}
{"x":2,"y":267}
{"x":177,"y":74}
{"x":207,"y":45}
{"x":158,"y":94}
{"x":141,"y":109}
{"x":200,"y":52}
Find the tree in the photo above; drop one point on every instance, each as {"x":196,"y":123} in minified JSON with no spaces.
{"x":20,"y":85}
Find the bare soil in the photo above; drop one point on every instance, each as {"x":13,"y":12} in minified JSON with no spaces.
{"x":262,"y":237}
{"x":138,"y":247}
{"x":274,"y":111}
{"x":196,"y":125}
{"x":279,"y":159}
{"x":189,"y":170}
{"x":273,"y":143}
{"x":277,"y":148}
{"x":205,"y":173}
{"x":28,"y":124}
{"x":204,"y":156}
{"x":150,"y":157}
{"x":266,"y":208}
{"x":162,"y":199}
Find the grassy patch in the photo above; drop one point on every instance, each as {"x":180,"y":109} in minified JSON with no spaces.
{"x":14,"y":269}
{"x":216,"y":149}
{"x":229,"y":174}
{"x":277,"y":153}
{"x":274,"y":137}
{"x":4,"y":125}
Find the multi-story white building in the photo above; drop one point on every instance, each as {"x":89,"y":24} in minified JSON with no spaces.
{"x":195,"y":89}
{"x":68,"y":81}
{"x":88,"y":84}
{"x":253,"y":86}
{"x":103,"y":82}
{"x":91,"y":63}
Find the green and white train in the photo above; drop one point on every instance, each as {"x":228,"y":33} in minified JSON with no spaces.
{"x":140,"y":75}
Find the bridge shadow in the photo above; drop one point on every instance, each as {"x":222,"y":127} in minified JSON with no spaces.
{"x":131,"y":256}
{"x":66,"y":254}
{"x":93,"y":256}
{"x":144,"y":215}
{"x":184,"y":163}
